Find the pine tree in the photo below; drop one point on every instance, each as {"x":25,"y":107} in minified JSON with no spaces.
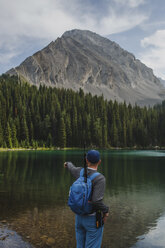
{"x":1,"y":136}
{"x":74,"y":125}
{"x":68,"y":131}
{"x":61,"y":133}
{"x":24,"y":132}
{"x":97,"y":133}
{"x":104,"y":129}
{"x":124,"y":133}
{"x":114,"y":134}
{"x":14,"y":135}
{"x":87,"y":135}
{"x":117,"y":124}
{"x":129,"y":134}
{"x":49,"y":140}
{"x":8,"y":139}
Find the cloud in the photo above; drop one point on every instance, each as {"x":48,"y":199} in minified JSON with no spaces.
{"x":42,"y":21}
{"x":154,"y":52}
{"x":130,"y":3}
{"x":51,"y":18}
{"x":120,"y":23}
{"x":156,"y":40}
{"x":6,"y":57}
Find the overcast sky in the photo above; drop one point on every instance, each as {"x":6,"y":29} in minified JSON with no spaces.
{"x":136,"y":25}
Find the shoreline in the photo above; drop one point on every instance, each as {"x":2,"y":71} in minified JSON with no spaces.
{"x":78,"y":148}
{"x":11,"y":238}
{"x":39,"y":149}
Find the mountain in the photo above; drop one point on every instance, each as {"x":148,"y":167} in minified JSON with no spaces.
{"x":83,"y":59}
{"x":162,"y":81}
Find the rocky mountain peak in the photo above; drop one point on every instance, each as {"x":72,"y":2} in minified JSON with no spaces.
{"x":83,"y":59}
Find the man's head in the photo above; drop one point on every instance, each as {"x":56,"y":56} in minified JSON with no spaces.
{"x":93,"y":158}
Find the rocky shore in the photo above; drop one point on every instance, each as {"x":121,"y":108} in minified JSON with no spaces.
{"x":10,"y":238}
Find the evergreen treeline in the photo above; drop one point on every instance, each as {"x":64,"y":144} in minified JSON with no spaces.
{"x":31,"y":116}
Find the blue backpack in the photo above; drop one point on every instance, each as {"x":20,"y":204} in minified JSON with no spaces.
{"x":80,"y":194}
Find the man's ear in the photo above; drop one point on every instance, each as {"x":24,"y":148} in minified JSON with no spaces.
{"x":99,"y":162}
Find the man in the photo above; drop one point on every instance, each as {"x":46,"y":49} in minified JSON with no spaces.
{"x":88,"y":235}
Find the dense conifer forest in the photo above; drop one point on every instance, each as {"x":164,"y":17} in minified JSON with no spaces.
{"x":51,"y":117}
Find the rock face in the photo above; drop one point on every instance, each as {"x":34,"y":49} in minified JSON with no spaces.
{"x":83,"y":59}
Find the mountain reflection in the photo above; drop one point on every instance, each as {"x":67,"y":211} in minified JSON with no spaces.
{"x":154,"y":238}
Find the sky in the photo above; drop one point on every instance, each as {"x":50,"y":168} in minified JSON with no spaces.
{"x":136,"y":25}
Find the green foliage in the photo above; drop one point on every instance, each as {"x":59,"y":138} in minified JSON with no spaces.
{"x":7,"y":137}
{"x":1,"y":136}
{"x":32,"y":117}
{"x":61,"y":133}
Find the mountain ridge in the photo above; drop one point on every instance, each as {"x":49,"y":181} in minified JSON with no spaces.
{"x":83,"y":59}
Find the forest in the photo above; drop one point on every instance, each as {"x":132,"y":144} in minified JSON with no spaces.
{"x":33,"y":117}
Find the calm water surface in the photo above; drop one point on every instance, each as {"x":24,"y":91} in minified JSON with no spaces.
{"x":34,"y":190}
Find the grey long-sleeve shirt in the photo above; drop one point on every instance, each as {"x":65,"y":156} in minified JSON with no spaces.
{"x":98,"y":187}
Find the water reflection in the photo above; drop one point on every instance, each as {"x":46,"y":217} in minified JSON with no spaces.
{"x":154,"y":238}
{"x":34,"y":189}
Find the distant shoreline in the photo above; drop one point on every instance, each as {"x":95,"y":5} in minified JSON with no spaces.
{"x":78,"y":148}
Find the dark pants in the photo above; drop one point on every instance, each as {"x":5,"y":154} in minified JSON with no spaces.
{"x":87,"y":235}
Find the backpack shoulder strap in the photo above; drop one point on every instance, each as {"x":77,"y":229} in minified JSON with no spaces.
{"x":95,"y":174}
{"x":82,"y":172}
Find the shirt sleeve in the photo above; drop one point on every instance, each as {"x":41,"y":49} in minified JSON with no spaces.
{"x":98,"y":194}
{"x":75,"y":171}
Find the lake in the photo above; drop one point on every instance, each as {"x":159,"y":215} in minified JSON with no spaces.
{"x":34,"y":189}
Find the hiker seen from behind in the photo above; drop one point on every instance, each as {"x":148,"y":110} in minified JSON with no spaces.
{"x":86,"y":201}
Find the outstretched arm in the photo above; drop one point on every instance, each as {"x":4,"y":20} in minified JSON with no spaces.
{"x":75,"y":171}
